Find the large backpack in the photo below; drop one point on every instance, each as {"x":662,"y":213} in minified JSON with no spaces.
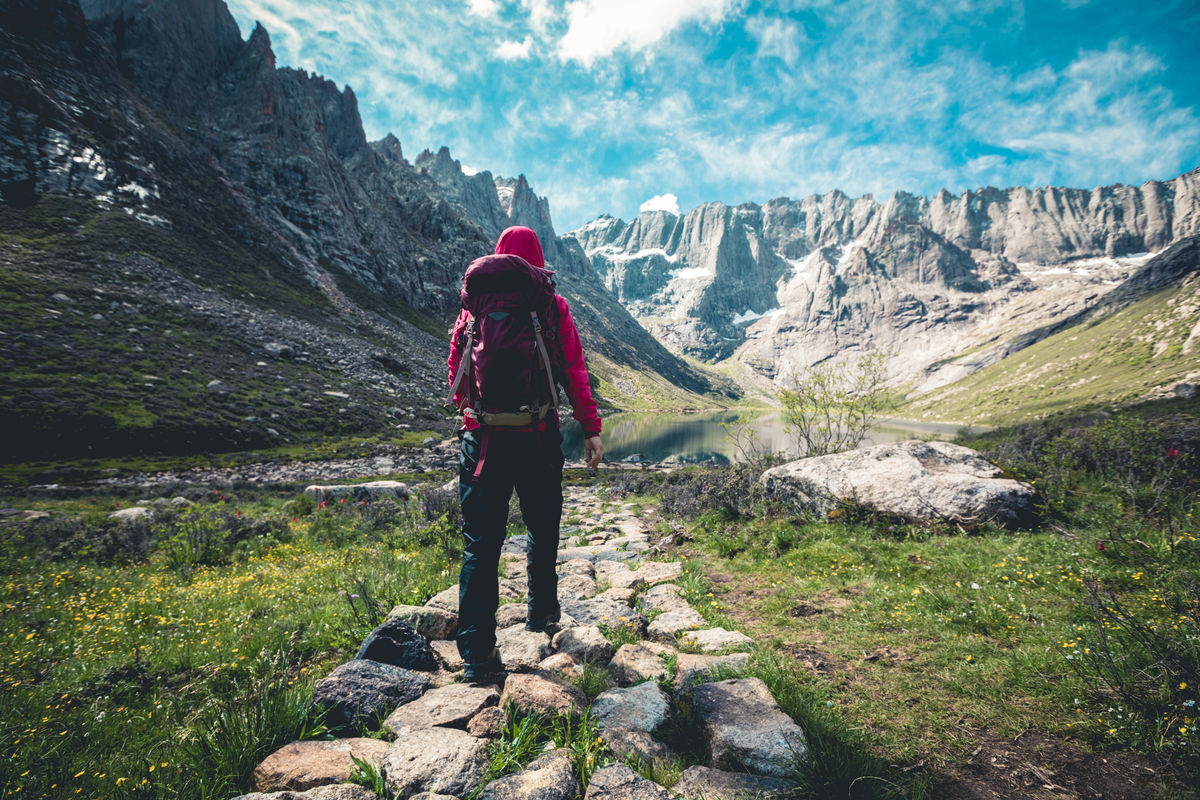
{"x":504,"y":365}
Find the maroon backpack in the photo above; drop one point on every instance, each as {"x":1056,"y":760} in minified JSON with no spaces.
{"x":503,"y":359}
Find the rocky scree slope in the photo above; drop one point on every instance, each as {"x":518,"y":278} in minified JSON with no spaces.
{"x":202,"y":250}
{"x":790,"y":284}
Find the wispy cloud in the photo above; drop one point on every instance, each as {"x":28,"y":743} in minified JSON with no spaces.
{"x":599,"y":27}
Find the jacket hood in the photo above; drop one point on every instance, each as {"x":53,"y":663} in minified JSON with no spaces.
{"x":523,"y":242}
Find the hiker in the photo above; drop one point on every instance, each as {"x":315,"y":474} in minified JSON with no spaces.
{"x":507,"y":392}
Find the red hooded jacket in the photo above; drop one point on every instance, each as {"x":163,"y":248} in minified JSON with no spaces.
{"x":523,"y":242}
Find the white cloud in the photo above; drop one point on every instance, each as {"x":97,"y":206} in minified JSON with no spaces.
{"x":540,"y":14}
{"x":483,"y":8}
{"x":598,"y":27}
{"x":662,"y":202}
{"x":514,"y":51}
{"x":778,"y":38}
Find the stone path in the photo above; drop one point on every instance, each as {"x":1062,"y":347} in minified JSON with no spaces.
{"x":611,"y":576}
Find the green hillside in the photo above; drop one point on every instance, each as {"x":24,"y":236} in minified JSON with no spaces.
{"x":1136,"y":353}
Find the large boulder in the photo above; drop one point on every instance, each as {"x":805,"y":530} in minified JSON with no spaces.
{"x":584,"y":642}
{"x":921,"y":481}
{"x":639,"y":662}
{"x":396,"y":642}
{"x":520,"y":649}
{"x":431,"y":622}
{"x":550,"y":777}
{"x":301,"y":766}
{"x":746,"y":730}
{"x":442,"y":760}
{"x":544,"y":693}
{"x":639,"y":708}
{"x":360,"y":691}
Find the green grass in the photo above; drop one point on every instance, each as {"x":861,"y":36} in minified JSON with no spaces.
{"x":131,"y":678}
{"x":1116,"y":360}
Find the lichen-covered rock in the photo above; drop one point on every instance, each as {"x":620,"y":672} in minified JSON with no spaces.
{"x":511,"y":614}
{"x":301,"y":766}
{"x":583,"y":642}
{"x":657,"y":572}
{"x":576,"y":587}
{"x":488,"y":723}
{"x":639,"y":662}
{"x":692,"y":669}
{"x":443,"y":760}
{"x":543,"y":692}
{"x":665,"y":627}
{"x":715,"y":784}
{"x":714,"y":640}
{"x":595,"y":611}
{"x":625,"y":742}
{"x":431,"y":622}
{"x":450,"y":706}
{"x":396,"y":642}
{"x":641,"y":708}
{"x":913,"y":479}
{"x":619,"y":782}
{"x":447,"y":600}
{"x":360,"y":691}
{"x":746,"y":730}
{"x":549,"y":777}
{"x":521,"y":649}
{"x":664,"y":597}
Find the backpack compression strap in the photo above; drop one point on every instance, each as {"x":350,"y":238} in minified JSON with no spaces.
{"x":541,"y":345}
{"x":464,"y":361}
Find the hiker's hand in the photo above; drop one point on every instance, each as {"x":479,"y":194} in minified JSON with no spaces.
{"x":593,"y":451}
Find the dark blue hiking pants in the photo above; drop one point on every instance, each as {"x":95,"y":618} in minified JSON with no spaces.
{"x":531,"y":463}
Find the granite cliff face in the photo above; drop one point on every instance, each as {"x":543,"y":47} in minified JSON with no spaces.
{"x":148,"y":151}
{"x":790,"y":284}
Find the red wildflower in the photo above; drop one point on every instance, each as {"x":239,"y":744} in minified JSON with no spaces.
{"x":293,"y":519}
{"x":343,"y":501}
{"x":1172,"y":453}
{"x":1100,"y":546}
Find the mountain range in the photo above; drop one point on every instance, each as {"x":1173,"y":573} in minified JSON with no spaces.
{"x":202,"y":251}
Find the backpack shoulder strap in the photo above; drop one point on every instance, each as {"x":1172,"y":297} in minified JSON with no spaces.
{"x":541,"y":346}
{"x":464,"y":360}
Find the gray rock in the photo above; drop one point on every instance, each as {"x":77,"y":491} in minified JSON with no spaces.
{"x":576,"y":587}
{"x":341,"y":791}
{"x":549,"y":777}
{"x":746,"y":730}
{"x":578,"y":566}
{"x":666,"y":626}
{"x":692,"y":669}
{"x":132,"y":514}
{"x":449,"y":706}
{"x":715,"y":784}
{"x":664,"y":597}
{"x":430,"y":622}
{"x":625,"y":742}
{"x":277,"y":350}
{"x":180,"y":502}
{"x":358,"y":692}
{"x":447,"y":600}
{"x":625,"y":579}
{"x":619,"y":782}
{"x":1187,"y":391}
{"x":583,"y":642}
{"x":511,"y":614}
{"x":618,"y":595}
{"x":521,"y":649}
{"x":372,"y":490}
{"x":561,"y":663}
{"x":396,"y":642}
{"x":301,"y":766}
{"x":446,"y":651}
{"x":714,"y":640}
{"x":913,"y":479}
{"x":657,"y":572}
{"x":488,"y":723}
{"x":594,"y":611}
{"x":442,"y":760}
{"x":543,"y":692}
{"x":641,"y":708}
{"x":639,"y":662}
{"x":596,"y":553}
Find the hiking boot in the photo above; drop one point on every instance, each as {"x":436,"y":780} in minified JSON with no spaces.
{"x":547,"y":624}
{"x":490,"y":667}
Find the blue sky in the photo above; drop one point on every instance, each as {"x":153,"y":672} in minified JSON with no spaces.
{"x":607,"y":104}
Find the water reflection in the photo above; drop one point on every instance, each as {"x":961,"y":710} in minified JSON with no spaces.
{"x":696,"y":438}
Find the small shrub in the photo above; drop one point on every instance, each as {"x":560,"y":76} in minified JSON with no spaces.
{"x":197,"y":536}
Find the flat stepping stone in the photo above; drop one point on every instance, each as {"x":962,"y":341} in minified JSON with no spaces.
{"x":300,"y":766}
{"x":341,"y":791}
{"x":666,"y":627}
{"x":450,"y":706}
{"x":745,"y":729}
{"x":656,"y":572}
{"x":691,"y":669}
{"x":561,"y":663}
{"x":617,"y":595}
{"x":619,"y":782}
{"x":521,"y":649}
{"x":715,"y":784}
{"x":446,"y":651}
{"x":625,"y":579}
{"x":603,"y":612}
{"x":442,"y":760}
{"x":548,"y":777}
{"x":511,"y":614}
{"x":715,"y":640}
{"x":430,"y":621}
{"x":625,"y":742}
{"x":359,"y":692}
{"x":543,"y":692}
{"x":447,"y":600}
{"x":664,"y":597}
{"x":576,"y":587}
{"x":396,"y":642}
{"x":634,"y":663}
{"x":597,"y":554}
{"x":644,"y":707}
{"x":583,"y":642}
{"x":578,"y":566}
